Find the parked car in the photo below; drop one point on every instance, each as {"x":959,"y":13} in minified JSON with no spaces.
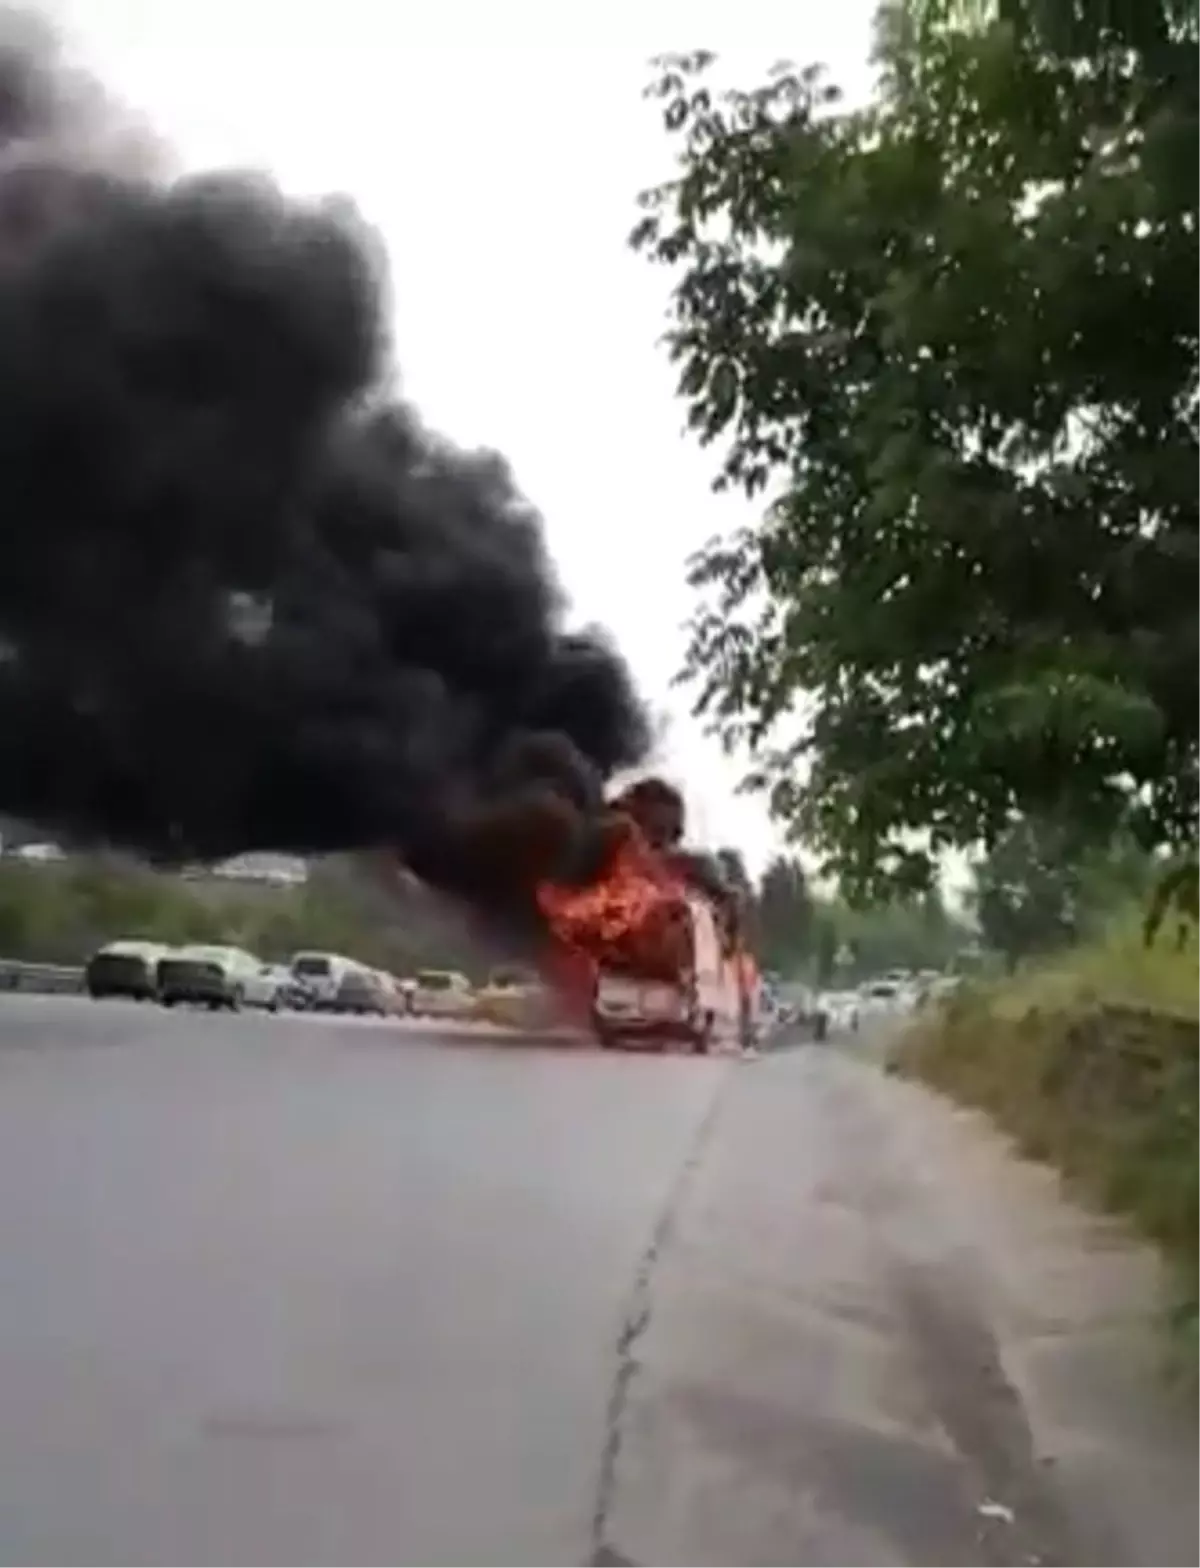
{"x":396,"y":993}
{"x":213,"y":976}
{"x":881,"y":998}
{"x":124,"y":968}
{"x":274,"y":986}
{"x":321,"y":975}
{"x":295,"y":994}
{"x":513,"y":996}
{"x":442,"y":993}
{"x":364,"y":991}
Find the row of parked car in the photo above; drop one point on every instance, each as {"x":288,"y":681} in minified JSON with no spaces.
{"x":230,"y":977}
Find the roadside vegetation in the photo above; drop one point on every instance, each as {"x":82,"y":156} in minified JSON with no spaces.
{"x":965,"y":620}
{"x":1088,"y":1059}
{"x":61,"y":913}
{"x":802,"y":929}
{"x":970,"y":599}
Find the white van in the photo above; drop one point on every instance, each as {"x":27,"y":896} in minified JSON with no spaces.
{"x":321,"y":975}
{"x":703,"y":1010}
{"x":717,"y":1001}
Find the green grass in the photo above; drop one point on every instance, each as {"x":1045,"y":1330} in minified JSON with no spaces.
{"x":60,"y":913}
{"x":1090,"y":1063}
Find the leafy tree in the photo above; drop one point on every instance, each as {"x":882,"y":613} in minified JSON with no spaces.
{"x":1068,"y":27}
{"x":1176,"y":892}
{"x":898,"y":933}
{"x":826,"y":947}
{"x":1042,"y":885}
{"x":978,"y":560}
{"x":732,"y":866}
{"x":1114,"y":877}
{"x":1027,"y":892}
{"x":801,"y":931}
{"x":785,"y":911}
{"x":733,"y":869}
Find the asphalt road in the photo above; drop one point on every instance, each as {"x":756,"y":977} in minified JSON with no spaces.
{"x":278,"y":1290}
{"x":275,"y":1290}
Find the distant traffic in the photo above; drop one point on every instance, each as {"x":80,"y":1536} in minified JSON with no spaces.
{"x":230,"y":978}
{"x":227,"y":978}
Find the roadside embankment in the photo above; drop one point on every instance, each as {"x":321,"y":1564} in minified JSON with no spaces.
{"x":1091,"y":1065}
{"x":865,"y":1333}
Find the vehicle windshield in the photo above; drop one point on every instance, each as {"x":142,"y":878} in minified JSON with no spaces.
{"x":509,"y":976}
{"x":434,"y":980}
{"x":311,"y":965}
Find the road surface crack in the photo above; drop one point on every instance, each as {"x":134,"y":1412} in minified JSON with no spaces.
{"x":634,"y":1323}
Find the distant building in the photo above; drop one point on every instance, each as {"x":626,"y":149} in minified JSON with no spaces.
{"x":274,"y":870}
{"x":39,"y":852}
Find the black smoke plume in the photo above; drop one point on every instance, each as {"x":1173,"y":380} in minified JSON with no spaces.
{"x":247,"y":599}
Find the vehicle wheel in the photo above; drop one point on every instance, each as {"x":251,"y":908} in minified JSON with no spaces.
{"x":166,"y":1001}
{"x":215,"y":1007}
{"x":273,"y":1005}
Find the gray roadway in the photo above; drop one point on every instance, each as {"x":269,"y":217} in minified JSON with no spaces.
{"x":282,"y":1291}
{"x":309,"y":1292}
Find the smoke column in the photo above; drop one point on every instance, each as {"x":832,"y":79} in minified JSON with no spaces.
{"x":247,"y":600}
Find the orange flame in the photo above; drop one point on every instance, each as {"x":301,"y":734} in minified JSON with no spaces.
{"x":633,"y":917}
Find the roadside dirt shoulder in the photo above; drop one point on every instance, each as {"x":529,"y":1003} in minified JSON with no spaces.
{"x":871,"y":1335}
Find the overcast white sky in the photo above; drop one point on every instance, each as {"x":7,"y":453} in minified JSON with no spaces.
{"x":498,"y":149}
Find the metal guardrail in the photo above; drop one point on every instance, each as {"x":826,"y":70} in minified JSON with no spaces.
{"x":61,"y":979}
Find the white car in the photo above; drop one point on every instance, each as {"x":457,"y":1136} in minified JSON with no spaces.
{"x":321,"y":976}
{"x":442,"y":993}
{"x":881,"y":998}
{"x":267,"y":987}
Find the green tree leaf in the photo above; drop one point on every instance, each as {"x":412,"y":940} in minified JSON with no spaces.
{"x":951,"y":340}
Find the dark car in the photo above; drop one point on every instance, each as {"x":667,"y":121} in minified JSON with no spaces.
{"x":214,"y":977}
{"x":124,"y":969}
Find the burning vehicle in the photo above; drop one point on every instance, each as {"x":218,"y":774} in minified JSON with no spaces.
{"x":650,"y":952}
{"x":253,"y":602}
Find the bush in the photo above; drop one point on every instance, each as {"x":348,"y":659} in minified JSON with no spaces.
{"x":60,"y":913}
{"x":1091,"y":1065}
